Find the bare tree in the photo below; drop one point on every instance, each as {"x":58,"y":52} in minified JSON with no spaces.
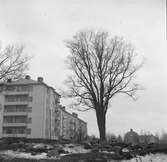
{"x":102,"y":67}
{"x":13,"y":62}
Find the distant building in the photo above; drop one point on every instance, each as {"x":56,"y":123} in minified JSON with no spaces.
{"x":153,"y":139}
{"x":148,"y":139}
{"x":131,"y":137}
{"x":164,"y":138}
{"x":31,"y":109}
{"x":142,"y":139}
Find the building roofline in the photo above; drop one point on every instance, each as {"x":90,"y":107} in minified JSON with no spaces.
{"x":35,"y":83}
{"x":73,"y":116}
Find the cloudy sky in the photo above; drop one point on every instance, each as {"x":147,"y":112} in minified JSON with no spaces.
{"x":43,"y":26}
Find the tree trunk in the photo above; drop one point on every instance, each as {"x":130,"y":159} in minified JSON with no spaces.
{"x":101,"y":122}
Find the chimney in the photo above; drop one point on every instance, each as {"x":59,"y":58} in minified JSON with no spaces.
{"x":9,"y":80}
{"x":40,"y":79}
{"x":75,"y":115}
{"x":27,"y":77}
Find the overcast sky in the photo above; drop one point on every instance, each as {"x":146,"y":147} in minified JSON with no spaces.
{"x":43,"y":26}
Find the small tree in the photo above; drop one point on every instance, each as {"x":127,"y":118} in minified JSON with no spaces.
{"x":110,"y":137}
{"x":119,"y":138}
{"x":13,"y":62}
{"x":102,"y":68}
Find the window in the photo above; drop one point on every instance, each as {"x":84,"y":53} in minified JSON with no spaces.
{"x":16,"y":98}
{"x":7,"y":130}
{"x":15,"y":119}
{"x":22,"y":88}
{"x":14,"y":130}
{"x":29,"y":120}
{"x":28,"y":131}
{"x":22,"y":98}
{"x":1,"y":88}
{"x":10,"y":88}
{"x":19,"y":130}
{"x":19,"y":88}
{"x":15,"y":108}
{"x":30,"y":99}
{"x":9,"y":98}
{"x":30,"y":88}
{"x":29,"y":109}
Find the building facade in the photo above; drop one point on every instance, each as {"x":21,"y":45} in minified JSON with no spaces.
{"x":148,"y":139}
{"x":133,"y":138}
{"x":71,"y":126}
{"x":30,"y":109}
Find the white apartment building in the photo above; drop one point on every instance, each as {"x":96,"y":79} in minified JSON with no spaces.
{"x":27,"y":109}
{"x":31,"y":109}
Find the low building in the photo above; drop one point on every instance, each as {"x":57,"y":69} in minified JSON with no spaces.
{"x":153,"y":139}
{"x":142,"y":139}
{"x":71,"y":127}
{"x":148,"y":139}
{"x":30,"y":108}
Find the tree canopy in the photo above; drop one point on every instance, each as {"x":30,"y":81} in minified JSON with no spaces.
{"x":101,"y":68}
{"x":13,"y":62}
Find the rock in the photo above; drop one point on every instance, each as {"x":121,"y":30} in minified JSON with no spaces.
{"x":87,"y":145}
{"x":106,"y":147}
{"x":52,"y":153}
{"x":71,"y":146}
{"x":127,"y":155}
{"x":62,"y":152}
{"x":14,"y":146}
{"x":95,"y":149}
{"x":37,"y":148}
{"x":22,"y":149}
{"x":60,"y":149}
{"x":136,"y":147}
{"x":94,"y":142}
{"x":116,"y":149}
{"x":33,"y":153}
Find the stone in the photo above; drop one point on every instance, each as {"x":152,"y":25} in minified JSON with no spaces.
{"x":52,"y":153}
{"x":87,"y":145}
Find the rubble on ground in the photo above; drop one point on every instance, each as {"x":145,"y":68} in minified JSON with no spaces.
{"x":89,"y":149}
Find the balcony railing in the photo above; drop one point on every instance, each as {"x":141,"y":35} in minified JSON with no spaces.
{"x":16,"y":92}
{"x":13,"y":135}
{"x":18,"y":88}
{"x":17,"y":103}
{"x":15,"y":124}
{"x":15,"y":113}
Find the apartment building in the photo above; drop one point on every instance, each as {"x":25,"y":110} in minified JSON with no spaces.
{"x":71,"y":127}
{"x":30,"y":108}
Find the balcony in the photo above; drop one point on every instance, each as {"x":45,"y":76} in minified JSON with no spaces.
{"x":17,"y":103}
{"x":14,"y":124}
{"x":16,"y":92}
{"x":14,"y":135}
{"x":15,"y":113}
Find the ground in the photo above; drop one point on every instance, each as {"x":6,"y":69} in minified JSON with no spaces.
{"x":86,"y":151}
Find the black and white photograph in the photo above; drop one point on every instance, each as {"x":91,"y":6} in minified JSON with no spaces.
{"x":83,"y":81}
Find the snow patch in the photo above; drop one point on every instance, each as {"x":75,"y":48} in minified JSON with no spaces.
{"x":75,"y":149}
{"x":15,"y":154}
{"x":147,"y":158}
